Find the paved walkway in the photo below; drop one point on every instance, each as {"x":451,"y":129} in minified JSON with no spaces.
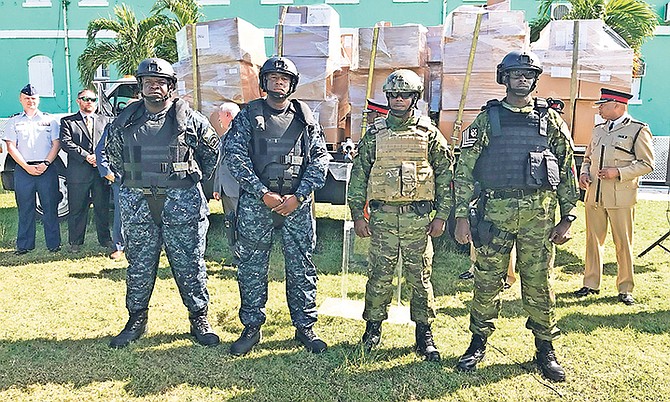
{"x":654,"y":193}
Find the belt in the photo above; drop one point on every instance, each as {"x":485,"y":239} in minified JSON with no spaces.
{"x":395,"y":209}
{"x":34,"y":162}
{"x":512,"y":193}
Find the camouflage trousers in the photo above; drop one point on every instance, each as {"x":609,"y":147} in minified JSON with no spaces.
{"x":531,"y":219}
{"x":392,"y":232}
{"x":254,"y":243}
{"x":183,"y":233}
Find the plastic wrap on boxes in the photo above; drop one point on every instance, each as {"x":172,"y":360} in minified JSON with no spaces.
{"x":448,"y":119}
{"x":358,"y":81}
{"x":326,"y":111}
{"x":434,"y":43}
{"x":230,"y":39}
{"x":348,"y":42}
{"x":310,"y":41}
{"x":435,"y":86}
{"x":461,"y":22}
{"x":400,"y":46}
{"x":318,"y":14}
{"x":236,"y":81}
{"x":316,"y":77}
{"x":483,"y":87}
{"x":603,"y":59}
{"x":490,"y":51}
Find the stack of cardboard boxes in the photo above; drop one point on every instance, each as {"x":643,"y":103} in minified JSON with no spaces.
{"x":311,"y":38}
{"x":229,"y":54}
{"x":603,"y":60}
{"x":501,"y":32}
{"x":397,"y":47}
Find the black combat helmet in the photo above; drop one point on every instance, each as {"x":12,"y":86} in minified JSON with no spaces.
{"x":517,"y":60}
{"x":155,"y":67}
{"x":279,"y":65}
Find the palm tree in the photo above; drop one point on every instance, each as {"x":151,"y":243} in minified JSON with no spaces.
{"x":634,"y":20}
{"x":135,"y":39}
{"x":186,"y":12}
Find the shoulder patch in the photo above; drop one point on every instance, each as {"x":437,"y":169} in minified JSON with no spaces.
{"x":469,"y":137}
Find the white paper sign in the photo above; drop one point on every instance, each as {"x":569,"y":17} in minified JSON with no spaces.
{"x":202,"y":38}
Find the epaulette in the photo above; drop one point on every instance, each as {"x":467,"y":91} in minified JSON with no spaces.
{"x":541,"y":103}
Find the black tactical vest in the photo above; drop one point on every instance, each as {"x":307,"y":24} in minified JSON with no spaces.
{"x":514,"y":138}
{"x":279,"y":156}
{"x":155,"y":153}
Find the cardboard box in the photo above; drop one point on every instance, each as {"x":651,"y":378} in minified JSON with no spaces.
{"x":448,"y":118}
{"x":550,"y":87}
{"x":347,"y":50}
{"x":320,"y":14}
{"x":309,"y":41}
{"x":326,"y":111}
{"x":434,"y":43}
{"x":461,"y":22}
{"x":397,"y":47}
{"x":489,"y":53}
{"x":231,"y":39}
{"x":316,"y":77}
{"x":590,"y":84}
{"x":236,"y":81}
{"x":483,"y":87}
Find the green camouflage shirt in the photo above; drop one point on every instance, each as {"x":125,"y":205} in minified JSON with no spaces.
{"x":476,"y":137}
{"x":438,"y":157}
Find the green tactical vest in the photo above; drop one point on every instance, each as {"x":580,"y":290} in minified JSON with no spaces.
{"x":401,"y":171}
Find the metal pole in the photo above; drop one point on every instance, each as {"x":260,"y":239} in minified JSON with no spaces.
{"x":573,"y":74}
{"x":67,"y":57}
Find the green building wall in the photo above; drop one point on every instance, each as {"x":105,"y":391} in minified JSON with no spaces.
{"x":29,"y":31}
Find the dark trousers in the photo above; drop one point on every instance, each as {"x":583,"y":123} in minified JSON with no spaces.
{"x":26,"y":187}
{"x":78,"y":199}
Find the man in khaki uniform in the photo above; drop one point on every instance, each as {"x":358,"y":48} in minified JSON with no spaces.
{"x":619,"y":153}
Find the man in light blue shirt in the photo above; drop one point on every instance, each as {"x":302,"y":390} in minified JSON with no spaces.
{"x":32,"y":141}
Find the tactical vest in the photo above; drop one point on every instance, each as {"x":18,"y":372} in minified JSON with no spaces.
{"x":401,"y":171}
{"x":155,"y":151}
{"x":280,"y":158}
{"x":518,"y":152}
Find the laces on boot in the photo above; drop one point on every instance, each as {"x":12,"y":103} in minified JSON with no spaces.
{"x":133,"y":330}
{"x":203,"y":332}
{"x":250,"y":336}
{"x":546,"y":361}
{"x":310,"y":340}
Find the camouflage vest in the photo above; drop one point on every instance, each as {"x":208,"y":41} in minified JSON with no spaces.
{"x":401,"y":171}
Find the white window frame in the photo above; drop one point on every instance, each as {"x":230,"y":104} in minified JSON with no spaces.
{"x":636,"y":87}
{"x":36,"y":3}
{"x":102,"y":72}
{"x":214,"y":2}
{"x":342,"y":1}
{"x":93,"y":3}
{"x":41,"y":75}
{"x":268,"y":2}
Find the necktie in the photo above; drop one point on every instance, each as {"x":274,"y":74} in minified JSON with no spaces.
{"x":89,"y":124}
{"x":611,"y":126}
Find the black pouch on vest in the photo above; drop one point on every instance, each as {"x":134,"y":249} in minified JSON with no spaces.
{"x":536,"y":173}
{"x":553,"y":175}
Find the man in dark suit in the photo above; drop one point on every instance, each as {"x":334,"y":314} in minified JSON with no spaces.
{"x":79,"y":134}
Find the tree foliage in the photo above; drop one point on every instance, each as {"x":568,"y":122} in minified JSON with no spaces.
{"x":135,"y":40}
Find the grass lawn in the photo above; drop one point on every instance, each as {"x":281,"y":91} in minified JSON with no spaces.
{"x":58,"y":311}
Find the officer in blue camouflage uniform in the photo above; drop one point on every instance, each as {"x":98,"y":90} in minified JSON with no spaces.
{"x":403,"y":168}
{"x":161,"y":150}
{"x":276,"y":151}
{"x":521,"y":153}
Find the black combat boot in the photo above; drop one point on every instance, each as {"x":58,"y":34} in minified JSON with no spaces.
{"x":200,"y":328}
{"x":312,"y":342}
{"x":546,"y":361}
{"x":135,"y":327}
{"x":474,"y":354}
{"x":425,"y":346}
{"x":251,"y":335}
{"x":372,"y":335}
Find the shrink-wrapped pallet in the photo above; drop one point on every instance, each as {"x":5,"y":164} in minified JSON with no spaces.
{"x":236,"y":81}
{"x":603,"y":59}
{"x":232,"y":39}
{"x":309,"y":41}
{"x":316,"y":77}
{"x":400,"y":46}
{"x":483,"y":87}
{"x":358,"y":81}
{"x":434,"y":43}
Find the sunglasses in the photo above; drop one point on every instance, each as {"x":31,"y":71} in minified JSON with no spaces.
{"x":87,"y":99}
{"x":404,"y":95}
{"x":528,"y":74}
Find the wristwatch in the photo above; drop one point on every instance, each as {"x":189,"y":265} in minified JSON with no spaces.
{"x":47,"y":163}
{"x":570,"y":218}
{"x":300,"y":197}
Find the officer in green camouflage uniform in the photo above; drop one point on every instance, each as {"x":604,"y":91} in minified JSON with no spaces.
{"x":160,"y":150}
{"x":521,"y":153}
{"x":403,"y":168}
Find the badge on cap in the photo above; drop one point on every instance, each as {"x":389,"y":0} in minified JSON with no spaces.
{"x":29,"y":90}
{"x":610,"y":95}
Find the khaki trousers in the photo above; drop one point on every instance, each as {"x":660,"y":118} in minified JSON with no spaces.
{"x":621,"y":221}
